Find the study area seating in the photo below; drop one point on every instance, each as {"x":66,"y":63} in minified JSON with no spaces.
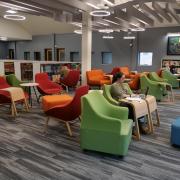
{"x":104,"y":127}
{"x":171,"y":78}
{"x":71,"y":80}
{"x":154,"y":77}
{"x":156,"y":89}
{"x":12,"y":95}
{"x":13,"y":80}
{"x":68,"y":111}
{"x":140,"y":109}
{"x":128,"y":74}
{"x":97,"y":78}
{"x":46,"y":87}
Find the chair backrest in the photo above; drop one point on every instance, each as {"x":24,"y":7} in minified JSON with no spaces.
{"x":72,"y":78}
{"x":3,"y":83}
{"x":75,"y":104}
{"x":107,"y":94}
{"x":98,"y":73}
{"x":43,"y":80}
{"x":154,"y":76}
{"x":125,"y":70}
{"x":134,"y":84}
{"x":115,"y":70}
{"x":12,"y":80}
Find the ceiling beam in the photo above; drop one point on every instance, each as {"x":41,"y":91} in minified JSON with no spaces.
{"x":75,"y":4}
{"x":172,"y":12}
{"x":120,"y":22}
{"x":130,"y":19}
{"x":135,"y":2}
{"x":30,"y":7}
{"x":161,"y":11}
{"x":140,"y":15}
{"x":147,"y":9}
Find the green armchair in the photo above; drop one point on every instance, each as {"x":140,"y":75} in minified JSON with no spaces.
{"x":156,"y":89}
{"x":13,"y":80}
{"x":104,"y":127}
{"x":171,"y":78}
{"x":107,"y":93}
{"x":154,"y":77}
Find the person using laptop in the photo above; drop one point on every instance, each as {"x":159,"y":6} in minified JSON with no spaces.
{"x":120,"y":90}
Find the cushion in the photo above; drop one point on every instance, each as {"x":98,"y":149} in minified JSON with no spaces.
{"x":50,"y":101}
{"x":175,"y":132}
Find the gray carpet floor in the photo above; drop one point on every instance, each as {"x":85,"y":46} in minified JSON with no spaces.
{"x":27,"y":153}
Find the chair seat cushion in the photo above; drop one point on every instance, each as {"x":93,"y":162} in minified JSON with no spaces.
{"x":52,"y":91}
{"x":54,"y":100}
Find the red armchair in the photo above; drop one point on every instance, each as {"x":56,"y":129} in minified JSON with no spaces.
{"x":9,"y":96}
{"x":71,"y":79}
{"x":134,"y":84}
{"x":115,"y":70}
{"x":46,"y":87}
{"x":68,"y":111}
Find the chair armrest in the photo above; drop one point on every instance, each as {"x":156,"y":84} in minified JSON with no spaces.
{"x":118,"y":111}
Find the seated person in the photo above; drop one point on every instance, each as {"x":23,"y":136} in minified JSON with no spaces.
{"x":64,"y":71}
{"x":120,"y":90}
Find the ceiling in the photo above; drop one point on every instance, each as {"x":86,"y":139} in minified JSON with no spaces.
{"x":57,"y":16}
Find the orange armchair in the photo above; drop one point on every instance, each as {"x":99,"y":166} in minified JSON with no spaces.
{"x":97,"y":78}
{"x":125,"y":70}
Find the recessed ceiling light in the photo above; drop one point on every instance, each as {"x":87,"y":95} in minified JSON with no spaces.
{"x":78,"y":31}
{"x":108,"y":37}
{"x":106,"y":30}
{"x":129,"y":37}
{"x":137,"y":29}
{"x":100,"y":13}
{"x":11,"y":11}
{"x":92,"y":5}
{"x":14,"y":17}
{"x":102,"y":23}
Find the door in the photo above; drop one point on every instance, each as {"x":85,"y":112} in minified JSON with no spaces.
{"x":60,"y":54}
{"x":11,"y":53}
{"x":48,"y":54}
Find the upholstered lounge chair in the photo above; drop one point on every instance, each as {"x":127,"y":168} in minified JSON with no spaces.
{"x":104,"y":127}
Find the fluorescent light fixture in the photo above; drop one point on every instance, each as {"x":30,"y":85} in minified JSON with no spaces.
{"x":108,"y":37}
{"x":3,"y":38}
{"x":106,"y":30}
{"x":11,"y":11}
{"x":173,"y":34}
{"x":102,"y":23}
{"x":92,"y":5}
{"x":100,"y":13}
{"x":14,"y":17}
{"x":78,"y":31}
{"x":112,"y":22}
{"x":137,"y":29}
{"x":109,"y":2}
{"x":76,"y":24}
{"x":129,"y":37}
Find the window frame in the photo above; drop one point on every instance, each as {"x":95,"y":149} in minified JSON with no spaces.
{"x":103,"y":52}
{"x":139,"y":59}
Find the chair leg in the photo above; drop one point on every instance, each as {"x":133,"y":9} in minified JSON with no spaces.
{"x":69,"y":129}
{"x":46,"y":124}
{"x":26,"y":105}
{"x":149,"y":123}
{"x":157,"y":117}
{"x":14,"y":109}
{"x":137,"y":136}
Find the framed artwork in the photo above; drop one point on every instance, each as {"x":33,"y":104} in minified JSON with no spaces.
{"x":173,"y":47}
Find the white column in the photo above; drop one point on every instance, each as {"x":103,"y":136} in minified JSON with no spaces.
{"x":86,"y":45}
